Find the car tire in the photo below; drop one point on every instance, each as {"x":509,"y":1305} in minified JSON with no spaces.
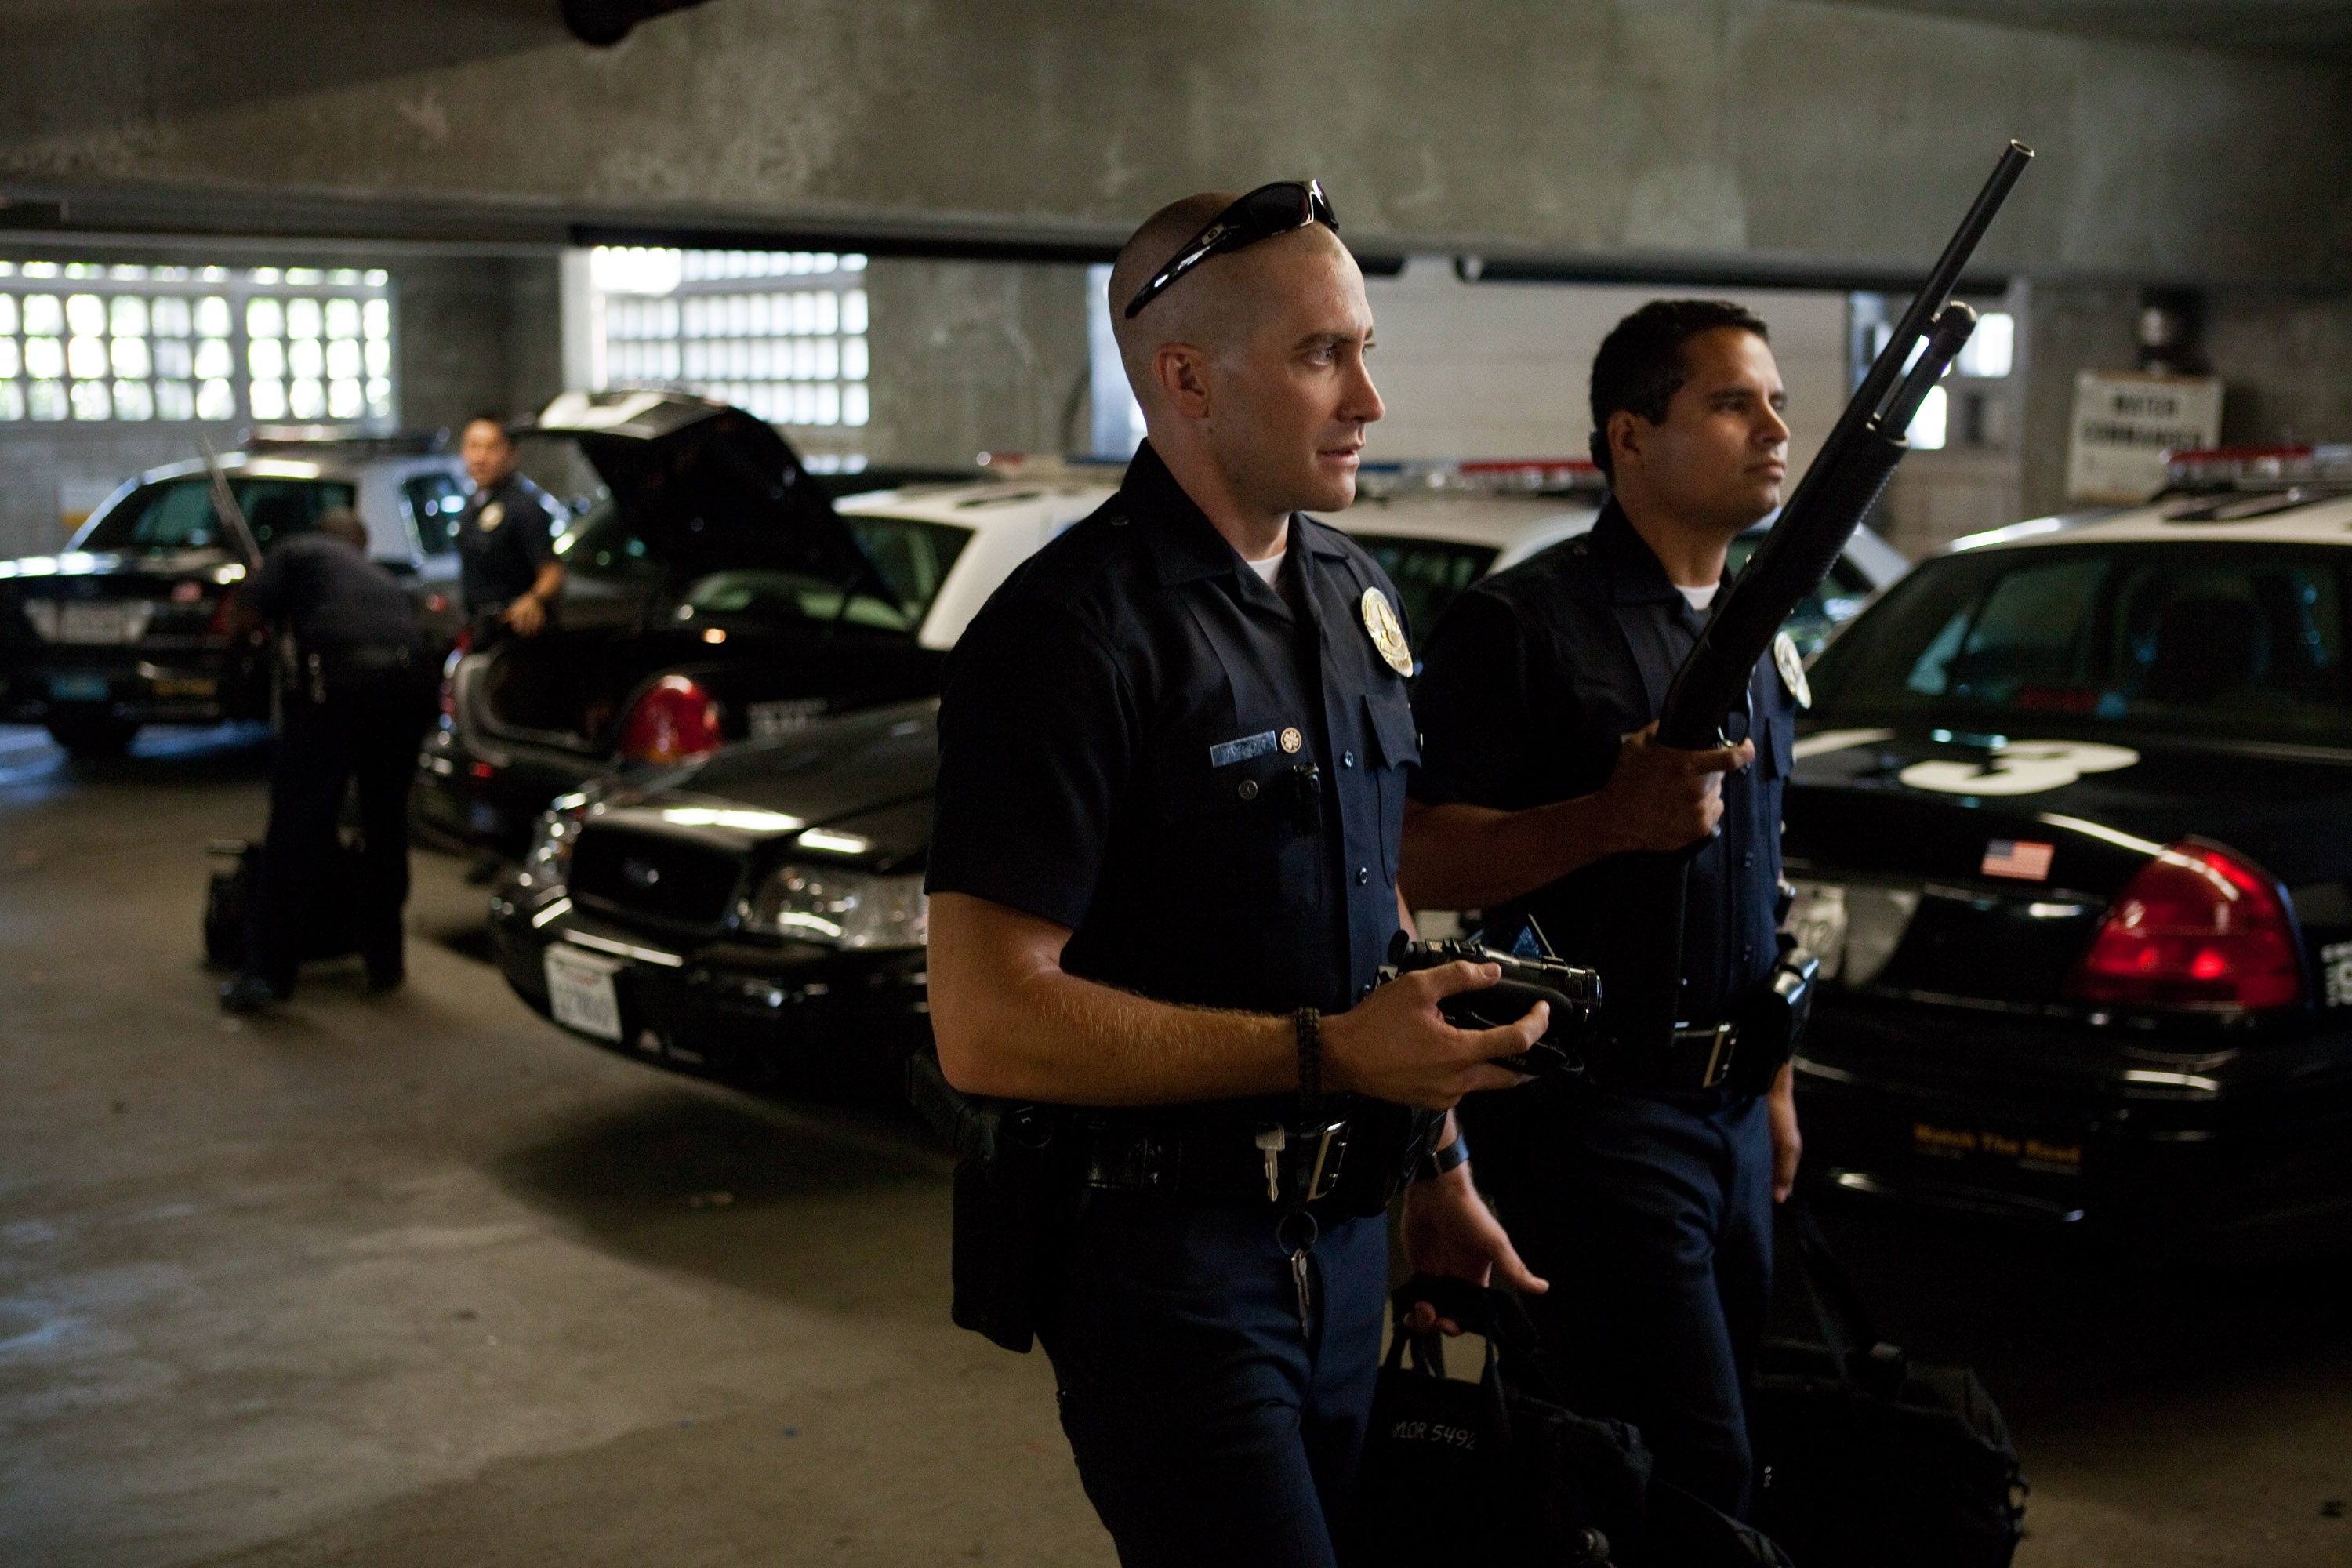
{"x":93,"y":737}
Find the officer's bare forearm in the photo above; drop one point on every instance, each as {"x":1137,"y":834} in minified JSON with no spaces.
{"x":549,"y":582}
{"x":1010,"y":1021}
{"x":1461,"y":856}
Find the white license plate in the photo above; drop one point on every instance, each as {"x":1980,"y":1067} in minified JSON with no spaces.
{"x":771,"y":720}
{"x":581,"y":993}
{"x":104,"y":621}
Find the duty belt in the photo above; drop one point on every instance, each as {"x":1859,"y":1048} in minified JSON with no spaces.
{"x":1214,"y":1165}
{"x":322,"y":666}
{"x":1698,"y":1057}
{"x":371,"y":657}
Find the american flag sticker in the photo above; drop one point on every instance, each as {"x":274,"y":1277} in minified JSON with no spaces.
{"x":2020,"y":858}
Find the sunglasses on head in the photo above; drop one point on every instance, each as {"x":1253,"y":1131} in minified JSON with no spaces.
{"x":1284,"y":207}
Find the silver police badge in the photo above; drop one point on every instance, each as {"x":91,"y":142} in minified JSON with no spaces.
{"x":492,"y":515}
{"x":1388,"y":635}
{"x":1793,"y":670}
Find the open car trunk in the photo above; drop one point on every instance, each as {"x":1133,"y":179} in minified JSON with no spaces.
{"x":713,"y":554}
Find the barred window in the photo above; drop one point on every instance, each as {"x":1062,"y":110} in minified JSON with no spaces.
{"x":780,"y":333}
{"x":87,"y":341}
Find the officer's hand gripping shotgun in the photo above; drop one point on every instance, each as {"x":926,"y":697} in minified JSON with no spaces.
{"x":1574,"y":994}
{"x":1845,"y":480}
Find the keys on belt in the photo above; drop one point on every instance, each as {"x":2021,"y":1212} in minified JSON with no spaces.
{"x":1275,"y":1165}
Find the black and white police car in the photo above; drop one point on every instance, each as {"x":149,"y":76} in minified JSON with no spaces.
{"x":2071,"y":822}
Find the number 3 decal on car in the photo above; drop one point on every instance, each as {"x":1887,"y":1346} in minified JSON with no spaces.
{"x":2021,"y":767}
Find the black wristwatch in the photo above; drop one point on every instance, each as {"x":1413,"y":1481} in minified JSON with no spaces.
{"x":1438,"y":1161}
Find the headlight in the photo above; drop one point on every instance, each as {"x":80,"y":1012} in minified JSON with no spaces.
{"x":550,"y":860}
{"x":842,"y":908}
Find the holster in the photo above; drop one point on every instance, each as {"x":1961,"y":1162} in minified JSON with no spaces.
{"x":1015,"y":1191}
{"x":1773,"y":1023}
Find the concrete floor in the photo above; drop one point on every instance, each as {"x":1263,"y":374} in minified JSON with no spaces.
{"x":422,"y":1281}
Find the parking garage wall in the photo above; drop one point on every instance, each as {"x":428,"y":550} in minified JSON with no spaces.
{"x":2283,"y":356}
{"x":972,"y":357}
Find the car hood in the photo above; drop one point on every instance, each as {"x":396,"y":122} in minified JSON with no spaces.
{"x":867,"y":776}
{"x":710,"y":486}
{"x":166,"y":565}
{"x":1909,"y":803}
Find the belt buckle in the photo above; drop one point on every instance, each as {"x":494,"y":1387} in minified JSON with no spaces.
{"x":1719,"y":1056}
{"x":1330,"y":1146}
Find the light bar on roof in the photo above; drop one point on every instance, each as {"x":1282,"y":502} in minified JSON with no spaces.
{"x":2259,"y":468}
{"x":1486,"y":476}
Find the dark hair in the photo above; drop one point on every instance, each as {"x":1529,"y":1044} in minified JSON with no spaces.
{"x":342,"y":522}
{"x":498,"y":419}
{"x":1640,"y":366}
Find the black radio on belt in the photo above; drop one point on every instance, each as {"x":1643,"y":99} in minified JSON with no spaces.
{"x":1574,"y":994}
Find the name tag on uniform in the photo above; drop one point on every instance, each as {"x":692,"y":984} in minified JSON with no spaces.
{"x":1227,"y":754}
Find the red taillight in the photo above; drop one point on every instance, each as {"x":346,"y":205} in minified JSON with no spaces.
{"x":675,"y":720}
{"x":223,"y":623}
{"x":2196,"y":928}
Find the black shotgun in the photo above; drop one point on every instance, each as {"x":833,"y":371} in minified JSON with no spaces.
{"x":1846,"y":477}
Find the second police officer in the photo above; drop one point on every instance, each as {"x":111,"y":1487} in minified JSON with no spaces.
{"x":1653,"y":1186}
{"x":506,"y":546}
{"x":1173,"y":750}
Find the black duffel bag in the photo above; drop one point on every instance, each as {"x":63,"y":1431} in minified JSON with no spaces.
{"x":1492,"y":1472}
{"x":1866,"y":1457}
{"x":328,"y":929}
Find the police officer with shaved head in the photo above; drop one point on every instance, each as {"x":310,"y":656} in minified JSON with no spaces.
{"x":1173,"y":755}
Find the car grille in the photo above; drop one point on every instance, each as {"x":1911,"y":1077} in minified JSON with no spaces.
{"x":626,"y":872}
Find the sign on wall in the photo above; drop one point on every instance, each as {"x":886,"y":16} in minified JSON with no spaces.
{"x":2124,"y":423}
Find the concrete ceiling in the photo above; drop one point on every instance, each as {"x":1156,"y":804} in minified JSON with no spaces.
{"x":2303,"y":26}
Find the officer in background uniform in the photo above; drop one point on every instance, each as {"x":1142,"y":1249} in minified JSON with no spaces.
{"x":1173,"y":750}
{"x":1653,"y":1186}
{"x":506,"y":544}
{"x":356,"y":706}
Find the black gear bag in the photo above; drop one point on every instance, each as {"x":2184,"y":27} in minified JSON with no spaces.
{"x":1866,"y":1458}
{"x":1494,"y":1473}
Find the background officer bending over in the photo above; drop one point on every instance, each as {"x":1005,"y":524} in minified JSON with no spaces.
{"x":356,"y":707}
{"x":1651,"y":1192}
{"x":1172,"y":750}
{"x":506,"y":552}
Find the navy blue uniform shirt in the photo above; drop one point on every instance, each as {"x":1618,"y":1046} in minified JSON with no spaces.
{"x":1531,"y":679}
{"x":504,"y":536}
{"x":333,"y":596}
{"x":1123,"y":745}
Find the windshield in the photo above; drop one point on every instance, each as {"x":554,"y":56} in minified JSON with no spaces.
{"x":912,"y":555}
{"x":1824,"y":609}
{"x":600,"y":543}
{"x":177,"y":514}
{"x":1428,"y":574}
{"x":434,"y":502}
{"x":2241,"y":640}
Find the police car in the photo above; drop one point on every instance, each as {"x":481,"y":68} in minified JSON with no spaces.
{"x":2070,"y":826}
{"x":758,"y":916}
{"x":138,"y":620}
{"x":715,"y":592}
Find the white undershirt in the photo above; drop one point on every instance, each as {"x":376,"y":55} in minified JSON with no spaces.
{"x":1699,"y":598}
{"x":1270,"y":568}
